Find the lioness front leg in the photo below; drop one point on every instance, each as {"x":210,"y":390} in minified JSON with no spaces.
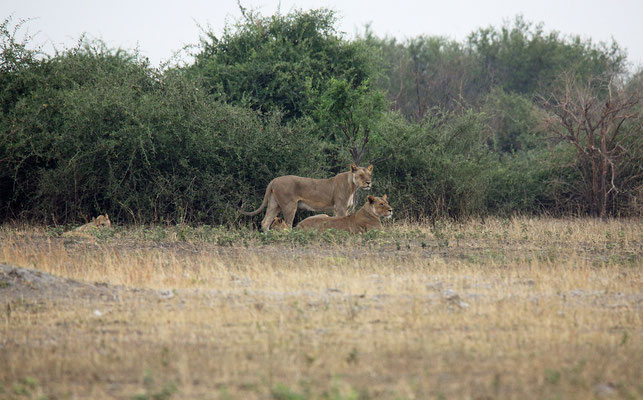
{"x":339,"y":211}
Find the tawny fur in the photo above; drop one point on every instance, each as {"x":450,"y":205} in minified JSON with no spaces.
{"x":287,"y":193}
{"x":364,"y":220}
{"x":102,"y":221}
{"x":278,"y":224}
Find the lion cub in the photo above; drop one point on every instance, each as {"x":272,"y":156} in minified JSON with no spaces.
{"x":367,"y":218}
{"x":102,"y":221}
{"x":278,"y":224}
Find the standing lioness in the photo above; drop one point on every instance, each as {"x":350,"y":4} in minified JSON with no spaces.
{"x":287,"y":193}
{"x":367,"y":218}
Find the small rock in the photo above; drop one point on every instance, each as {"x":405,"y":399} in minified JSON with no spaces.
{"x":166,"y":294}
{"x":453,"y":298}
{"x":239,"y":280}
{"x":98,"y":313}
{"x":604,"y":390}
{"x":450,"y":295}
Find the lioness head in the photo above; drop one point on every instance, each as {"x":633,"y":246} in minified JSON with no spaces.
{"x":380,"y":206}
{"x":103,"y":220}
{"x":362,"y":176}
{"x":278,"y":224}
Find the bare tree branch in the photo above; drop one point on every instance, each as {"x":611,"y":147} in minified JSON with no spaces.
{"x":591,"y":123}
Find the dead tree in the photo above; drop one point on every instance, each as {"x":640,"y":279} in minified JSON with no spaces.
{"x":592,"y":117}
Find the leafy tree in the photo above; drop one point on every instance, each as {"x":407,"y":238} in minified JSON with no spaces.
{"x":440,"y":168}
{"x":425,"y":73}
{"x":513,"y":121}
{"x":273,"y":62}
{"x":99,"y":130}
{"x":350,"y":115}
{"x":522,"y":58}
{"x":92,"y":130}
{"x":14,"y":52}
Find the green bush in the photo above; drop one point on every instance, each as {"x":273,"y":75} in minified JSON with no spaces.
{"x":279,"y":62}
{"x":101,"y":131}
{"x":518,"y":183}
{"x":91,"y":130}
{"x":439,"y":168}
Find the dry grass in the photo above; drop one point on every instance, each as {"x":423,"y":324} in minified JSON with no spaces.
{"x":519,"y":308}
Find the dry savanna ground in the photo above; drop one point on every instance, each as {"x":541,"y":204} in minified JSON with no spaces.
{"x":499,"y":309}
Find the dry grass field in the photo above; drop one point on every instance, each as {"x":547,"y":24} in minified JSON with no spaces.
{"x":499,"y":309}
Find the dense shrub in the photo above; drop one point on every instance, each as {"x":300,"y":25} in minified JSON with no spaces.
{"x":102,"y":131}
{"x":92,"y":130}
{"x":279,"y":62}
{"x":438,"y":168}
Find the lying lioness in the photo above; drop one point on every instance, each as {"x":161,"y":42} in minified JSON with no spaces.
{"x":84,"y":231}
{"x":287,"y":193}
{"x":367,"y":218}
{"x":278,"y":224}
{"x":102,"y":221}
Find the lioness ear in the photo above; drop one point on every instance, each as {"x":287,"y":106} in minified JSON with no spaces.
{"x":370,"y":168}
{"x":371,"y":199}
{"x":354,"y":167}
{"x":383,"y":197}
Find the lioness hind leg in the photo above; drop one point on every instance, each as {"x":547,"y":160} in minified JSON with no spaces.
{"x":272,"y":210}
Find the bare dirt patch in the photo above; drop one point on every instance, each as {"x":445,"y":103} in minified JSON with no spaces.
{"x":24,"y":284}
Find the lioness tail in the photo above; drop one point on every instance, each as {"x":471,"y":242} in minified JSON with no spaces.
{"x":264,"y":203}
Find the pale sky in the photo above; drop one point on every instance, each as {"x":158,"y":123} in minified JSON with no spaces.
{"x":159,"y":28}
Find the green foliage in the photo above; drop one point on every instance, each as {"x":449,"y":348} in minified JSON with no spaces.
{"x":523,"y":58}
{"x":137,"y":144}
{"x":349,"y":115}
{"x":14,"y":52}
{"x":552,"y":376}
{"x":92,"y":130}
{"x":439,"y":168}
{"x":513,"y":122}
{"x":273,"y":62}
{"x":283,"y":392}
{"x":424,"y":73}
{"x":518,"y":183}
